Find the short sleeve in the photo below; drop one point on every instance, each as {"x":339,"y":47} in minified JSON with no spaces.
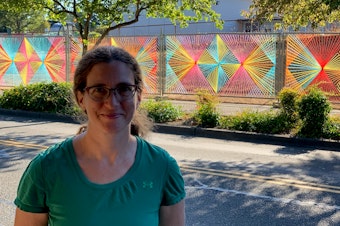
{"x":174,"y":190}
{"x":30,"y":194}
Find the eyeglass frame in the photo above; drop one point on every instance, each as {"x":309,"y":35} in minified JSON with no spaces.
{"x":112,"y":90}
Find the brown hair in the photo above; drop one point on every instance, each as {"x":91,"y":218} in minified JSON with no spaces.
{"x":141,"y":124}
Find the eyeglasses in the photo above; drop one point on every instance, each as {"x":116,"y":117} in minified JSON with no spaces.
{"x":121,"y":92}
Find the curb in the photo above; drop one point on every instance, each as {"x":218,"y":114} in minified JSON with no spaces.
{"x":258,"y":138}
{"x":38,"y":115}
{"x":284,"y":140}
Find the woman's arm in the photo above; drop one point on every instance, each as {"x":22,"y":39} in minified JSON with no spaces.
{"x":172,"y":215}
{"x":23,"y":218}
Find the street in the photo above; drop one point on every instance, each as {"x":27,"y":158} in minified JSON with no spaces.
{"x":227,"y":182}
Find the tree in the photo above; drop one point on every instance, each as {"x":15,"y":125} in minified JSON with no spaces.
{"x":114,"y":14}
{"x":295,"y":13}
{"x":23,"y":21}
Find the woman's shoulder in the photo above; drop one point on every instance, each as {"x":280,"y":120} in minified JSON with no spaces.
{"x":151,"y":156}
{"x":55,"y":151}
{"x":149,"y":146}
{"x":152,"y":151}
{"x":49,"y":158}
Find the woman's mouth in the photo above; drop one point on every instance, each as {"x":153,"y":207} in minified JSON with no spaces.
{"x":111,"y":115}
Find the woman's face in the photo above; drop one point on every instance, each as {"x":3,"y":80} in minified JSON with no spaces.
{"x":110,"y":115}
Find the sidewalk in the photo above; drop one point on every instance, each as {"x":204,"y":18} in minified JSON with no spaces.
{"x":227,"y":108}
{"x":232,"y":108}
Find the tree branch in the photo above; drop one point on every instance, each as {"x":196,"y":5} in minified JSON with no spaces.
{"x":117,"y":26}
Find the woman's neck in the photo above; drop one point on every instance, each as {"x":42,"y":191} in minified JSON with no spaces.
{"x":106,"y":146}
{"x":104,"y":159}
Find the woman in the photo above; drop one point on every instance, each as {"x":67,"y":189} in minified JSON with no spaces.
{"x":107,"y":174}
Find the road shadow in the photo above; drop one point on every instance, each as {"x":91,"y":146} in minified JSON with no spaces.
{"x":218,"y":194}
{"x":15,"y":148}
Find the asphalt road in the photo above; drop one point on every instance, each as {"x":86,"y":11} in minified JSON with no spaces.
{"x":228,"y":182}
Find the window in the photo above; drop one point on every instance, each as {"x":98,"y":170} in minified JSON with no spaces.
{"x":251,"y":27}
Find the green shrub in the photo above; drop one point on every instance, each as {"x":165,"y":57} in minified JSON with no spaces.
{"x":206,"y":114}
{"x":162,"y":110}
{"x":269,"y":122}
{"x":313,"y":109}
{"x":206,"y":98}
{"x":227,"y":122}
{"x":331,"y":130}
{"x":41,"y":97}
{"x":284,"y":123}
{"x":244,"y":121}
{"x":288,"y":104}
{"x":260,"y":122}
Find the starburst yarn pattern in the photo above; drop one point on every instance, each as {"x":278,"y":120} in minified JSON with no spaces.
{"x":145,"y":50}
{"x":225,"y":64}
{"x":25,"y":60}
{"x":314,"y":60}
{"x":240,"y":65}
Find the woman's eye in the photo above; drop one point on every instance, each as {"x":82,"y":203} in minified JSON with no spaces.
{"x":124,"y":89}
{"x":100,"y":90}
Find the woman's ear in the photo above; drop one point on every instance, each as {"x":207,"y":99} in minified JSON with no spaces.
{"x":139,"y":99}
{"x":80,"y":100}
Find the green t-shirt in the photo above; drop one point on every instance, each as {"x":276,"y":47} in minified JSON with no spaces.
{"x":54,"y":183}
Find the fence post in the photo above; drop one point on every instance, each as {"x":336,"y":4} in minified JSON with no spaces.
{"x":67,"y":52}
{"x":280,"y":70}
{"x":161,"y":64}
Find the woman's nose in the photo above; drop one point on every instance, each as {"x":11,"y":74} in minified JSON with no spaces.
{"x":112,"y":99}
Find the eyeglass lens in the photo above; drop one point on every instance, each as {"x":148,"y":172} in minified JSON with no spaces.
{"x":122,"y":92}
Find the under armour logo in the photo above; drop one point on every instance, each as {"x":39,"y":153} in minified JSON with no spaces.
{"x":147,"y":184}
